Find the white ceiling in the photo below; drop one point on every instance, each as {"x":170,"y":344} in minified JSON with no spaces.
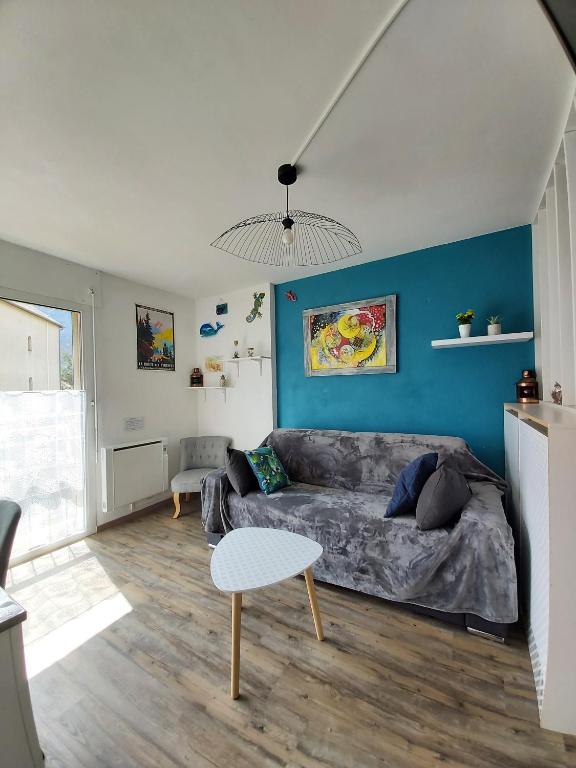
{"x":133,"y":132}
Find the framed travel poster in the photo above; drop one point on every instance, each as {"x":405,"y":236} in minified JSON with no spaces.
{"x":358,"y":337}
{"x":155,"y":339}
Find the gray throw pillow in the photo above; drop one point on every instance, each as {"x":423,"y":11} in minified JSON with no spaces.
{"x":441,"y":500}
{"x":240,"y":473}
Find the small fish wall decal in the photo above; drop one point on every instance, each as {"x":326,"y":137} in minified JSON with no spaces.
{"x":255,"y":311}
{"x":291,"y":296}
{"x":207,"y":329}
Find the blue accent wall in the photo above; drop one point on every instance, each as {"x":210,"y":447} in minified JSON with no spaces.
{"x":457,"y":391}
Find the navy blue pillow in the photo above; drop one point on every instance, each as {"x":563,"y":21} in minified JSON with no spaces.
{"x":409,"y":484}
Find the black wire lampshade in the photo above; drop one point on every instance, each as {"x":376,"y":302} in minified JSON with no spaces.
{"x":289,"y":238}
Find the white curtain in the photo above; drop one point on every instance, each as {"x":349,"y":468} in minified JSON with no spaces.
{"x":42,"y":464}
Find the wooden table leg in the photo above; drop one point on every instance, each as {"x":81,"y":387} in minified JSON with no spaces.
{"x":176,"y":506}
{"x":314,"y":603}
{"x":235,"y":667}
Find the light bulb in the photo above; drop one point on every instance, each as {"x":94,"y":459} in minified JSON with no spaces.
{"x":288,"y":236}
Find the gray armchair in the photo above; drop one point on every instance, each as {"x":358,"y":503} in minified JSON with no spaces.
{"x":198,"y":457}
{"x":9,"y":517}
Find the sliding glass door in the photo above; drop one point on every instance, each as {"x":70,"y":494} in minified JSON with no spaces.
{"x":43,"y":425}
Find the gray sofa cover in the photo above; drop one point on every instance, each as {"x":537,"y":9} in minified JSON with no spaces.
{"x":341,"y":485}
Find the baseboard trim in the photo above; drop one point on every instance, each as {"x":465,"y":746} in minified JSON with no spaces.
{"x":131,"y":516}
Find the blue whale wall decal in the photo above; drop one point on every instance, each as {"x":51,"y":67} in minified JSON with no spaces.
{"x":207,"y":329}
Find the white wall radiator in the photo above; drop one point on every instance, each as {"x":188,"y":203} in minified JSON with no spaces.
{"x":132,"y":473}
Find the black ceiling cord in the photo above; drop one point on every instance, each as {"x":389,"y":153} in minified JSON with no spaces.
{"x":287,"y":174}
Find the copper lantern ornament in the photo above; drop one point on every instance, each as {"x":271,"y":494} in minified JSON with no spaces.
{"x":196,"y":378}
{"x":527,"y":388}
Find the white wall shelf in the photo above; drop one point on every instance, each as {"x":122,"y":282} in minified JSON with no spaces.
{"x":475,"y":341}
{"x":255,"y":359}
{"x":222,"y":389}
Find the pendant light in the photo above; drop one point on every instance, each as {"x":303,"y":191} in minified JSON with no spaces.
{"x":291,"y":237}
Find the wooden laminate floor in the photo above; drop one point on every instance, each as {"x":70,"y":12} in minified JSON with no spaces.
{"x":128,"y":643}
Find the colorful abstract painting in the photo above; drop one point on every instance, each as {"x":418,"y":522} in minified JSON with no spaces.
{"x":155,"y":339}
{"x":358,"y":337}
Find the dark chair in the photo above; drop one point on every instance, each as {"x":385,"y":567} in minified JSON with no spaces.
{"x":9,"y":518}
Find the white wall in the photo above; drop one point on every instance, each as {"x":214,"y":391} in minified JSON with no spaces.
{"x":247,"y":415}
{"x":35,"y":273}
{"x":161,"y":397}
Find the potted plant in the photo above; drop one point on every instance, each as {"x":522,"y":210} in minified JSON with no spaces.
{"x":465,"y":322}
{"x":494,"y":325}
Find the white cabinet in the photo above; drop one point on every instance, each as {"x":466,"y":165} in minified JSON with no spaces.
{"x":18,"y":738}
{"x":540,"y":442}
{"x":533,"y":514}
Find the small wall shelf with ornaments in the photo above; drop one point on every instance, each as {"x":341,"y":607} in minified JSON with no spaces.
{"x":204,"y":389}
{"x":255,"y":359}
{"x":476,"y":341}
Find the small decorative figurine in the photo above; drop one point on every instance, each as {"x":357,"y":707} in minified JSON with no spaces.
{"x":222,"y":380}
{"x":207,"y":329}
{"x":556,"y":394}
{"x":255,"y":311}
{"x":290,"y":295}
{"x":236,"y":354}
{"x":527,"y":388}
{"x":196,"y":378}
{"x":250,"y":351}
{"x":221,"y":309}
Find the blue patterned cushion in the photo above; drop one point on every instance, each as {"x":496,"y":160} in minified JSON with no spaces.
{"x":268,"y":469}
{"x":409,"y":484}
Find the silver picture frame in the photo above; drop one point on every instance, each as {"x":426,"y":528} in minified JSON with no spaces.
{"x":388,"y":301}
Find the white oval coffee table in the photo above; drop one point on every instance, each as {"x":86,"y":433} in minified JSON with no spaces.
{"x":254,"y":558}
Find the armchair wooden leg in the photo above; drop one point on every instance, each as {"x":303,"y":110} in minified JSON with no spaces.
{"x":314,"y":603}
{"x":177,"y":505}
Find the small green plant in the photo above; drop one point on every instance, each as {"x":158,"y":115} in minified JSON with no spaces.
{"x":494,"y":320}
{"x":465,"y":318}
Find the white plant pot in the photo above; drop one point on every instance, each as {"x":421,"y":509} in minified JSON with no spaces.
{"x":495,"y":329}
{"x":465,"y":330}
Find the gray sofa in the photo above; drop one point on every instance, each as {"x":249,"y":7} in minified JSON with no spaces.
{"x":341,"y":483}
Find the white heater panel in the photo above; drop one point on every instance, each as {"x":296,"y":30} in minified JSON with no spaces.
{"x":132,"y":473}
